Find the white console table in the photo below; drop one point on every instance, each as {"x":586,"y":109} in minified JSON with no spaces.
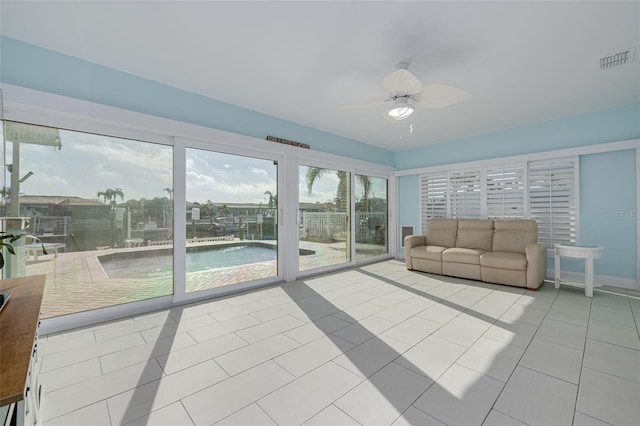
{"x":588,"y":253}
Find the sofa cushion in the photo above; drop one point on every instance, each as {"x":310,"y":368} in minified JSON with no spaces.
{"x":513,"y":235}
{"x":462,"y":255}
{"x":428,"y":252}
{"x":475,"y":234}
{"x":442,"y":232}
{"x":502,"y":260}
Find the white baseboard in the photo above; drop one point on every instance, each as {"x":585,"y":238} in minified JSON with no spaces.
{"x":578,"y":277}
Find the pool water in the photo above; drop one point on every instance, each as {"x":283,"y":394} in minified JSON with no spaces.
{"x":159,"y":265}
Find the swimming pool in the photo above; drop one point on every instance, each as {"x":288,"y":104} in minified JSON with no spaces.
{"x":157,"y":263}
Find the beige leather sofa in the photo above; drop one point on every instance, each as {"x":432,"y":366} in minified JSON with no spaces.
{"x":495,"y":251}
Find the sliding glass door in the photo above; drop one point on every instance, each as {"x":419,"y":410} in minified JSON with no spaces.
{"x":371,"y":218}
{"x":324,"y":207}
{"x":95,"y":213}
{"x":232,"y":219}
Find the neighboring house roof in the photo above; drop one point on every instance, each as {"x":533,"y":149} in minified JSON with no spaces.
{"x":59,"y":200}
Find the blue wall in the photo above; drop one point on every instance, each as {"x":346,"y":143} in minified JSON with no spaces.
{"x":26,"y":65}
{"x":608,"y":190}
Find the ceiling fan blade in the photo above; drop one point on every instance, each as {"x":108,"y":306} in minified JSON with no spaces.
{"x":440,"y":95}
{"x":403,"y":82}
{"x":365,"y":104}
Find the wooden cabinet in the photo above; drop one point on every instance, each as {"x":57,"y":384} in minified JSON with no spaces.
{"x":20,"y":391}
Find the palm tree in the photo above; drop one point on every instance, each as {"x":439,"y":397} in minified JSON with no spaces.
{"x":315,"y":173}
{"x":111,"y":195}
{"x":223,"y":210}
{"x":273,"y":199}
{"x":170,"y":192}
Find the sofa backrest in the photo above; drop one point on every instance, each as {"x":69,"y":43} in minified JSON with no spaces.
{"x":513,"y":235}
{"x":475,"y":234}
{"x":442,"y":232}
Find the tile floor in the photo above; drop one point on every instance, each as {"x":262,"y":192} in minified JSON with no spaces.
{"x":376,"y":345}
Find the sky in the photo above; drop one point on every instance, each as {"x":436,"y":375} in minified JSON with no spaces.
{"x":88,"y":163}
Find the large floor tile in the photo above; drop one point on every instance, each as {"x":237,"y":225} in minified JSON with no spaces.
{"x":252,"y":415}
{"x":562,"y":333}
{"x":440,"y":313}
{"x":492,"y":358}
{"x":412,"y":330}
{"x":612,"y":359}
{"x":363,"y":330}
{"x":157,"y":322}
{"x":182,"y":325}
{"x":133,"y":404}
{"x":517,"y":334}
{"x":460,"y":397}
{"x":171,"y":415}
{"x":225,"y":398}
{"x":614,"y":333}
{"x":609,"y":398}
{"x":180,"y":359}
{"x":86,"y":352}
{"x":385,"y":396}
{"x":94,"y":415}
{"x":461,"y":331}
{"x":331,"y":415}
{"x":581,"y":419}
{"x":431,"y":357}
{"x":560,"y":361}
{"x":496,"y":418}
{"x":537,"y":399}
{"x":96,"y":389}
{"x":270,"y":328}
{"x":70,"y":375}
{"x":369,"y":357}
{"x":311,"y":331}
{"x":526,"y":314}
{"x":298,"y":401}
{"x":615,"y":316}
{"x":202,"y":334}
{"x":60,"y":343}
{"x":141,"y":353}
{"x":412,"y":416}
{"x":567,"y":314}
{"x":308,"y":357}
{"x":251,"y":355}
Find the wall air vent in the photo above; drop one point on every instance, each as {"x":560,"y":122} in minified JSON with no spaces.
{"x":619,"y":58}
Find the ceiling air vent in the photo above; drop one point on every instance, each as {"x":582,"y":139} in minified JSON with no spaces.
{"x":619,"y":58}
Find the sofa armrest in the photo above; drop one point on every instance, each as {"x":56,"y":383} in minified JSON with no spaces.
{"x":536,"y":265}
{"x":409,"y":242}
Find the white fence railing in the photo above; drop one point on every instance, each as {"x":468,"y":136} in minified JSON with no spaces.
{"x":332,"y":225}
{"x":192,"y":240}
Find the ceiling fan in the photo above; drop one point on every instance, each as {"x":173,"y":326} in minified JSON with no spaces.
{"x":407,"y":92}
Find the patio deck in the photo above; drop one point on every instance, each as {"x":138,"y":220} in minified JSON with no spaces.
{"x":77,"y":282}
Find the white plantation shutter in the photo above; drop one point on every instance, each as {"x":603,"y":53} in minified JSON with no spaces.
{"x":552,"y":200}
{"x":464,"y":195}
{"x":505,"y":190}
{"x":545,"y":191}
{"x":433,"y":195}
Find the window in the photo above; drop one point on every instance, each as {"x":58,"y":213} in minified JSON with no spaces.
{"x":371,"y":216}
{"x":552,"y":201}
{"x":505,"y":192}
{"x":434,"y":189}
{"x":102,"y":206}
{"x":541,"y":190}
{"x":464,"y":195}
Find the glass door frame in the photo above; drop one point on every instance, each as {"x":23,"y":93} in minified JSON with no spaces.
{"x":180,"y":218}
{"x":293,"y":268}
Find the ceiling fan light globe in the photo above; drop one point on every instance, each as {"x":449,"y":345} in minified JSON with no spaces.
{"x":400,"y":112}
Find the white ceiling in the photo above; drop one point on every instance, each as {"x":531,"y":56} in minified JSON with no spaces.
{"x":522,"y":62}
